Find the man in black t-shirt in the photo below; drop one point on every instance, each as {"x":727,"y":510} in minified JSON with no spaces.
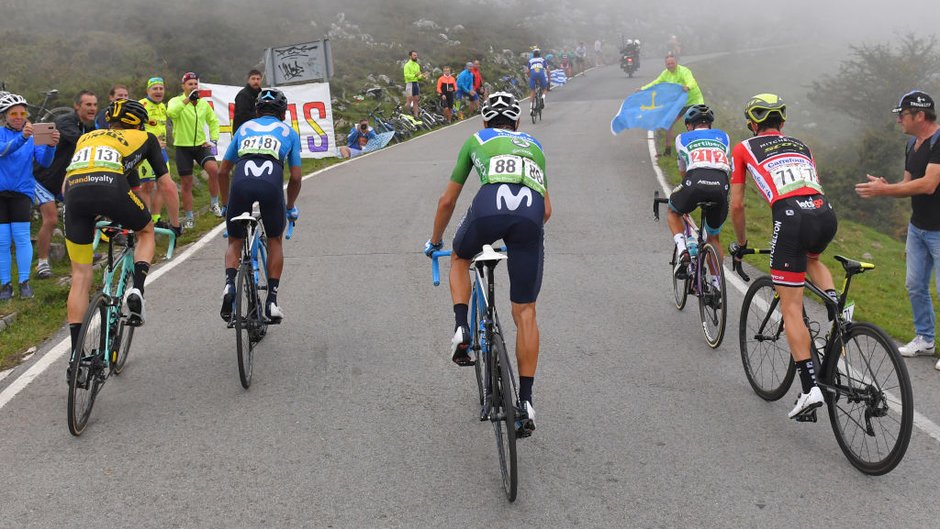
{"x":245,"y":101}
{"x":917,"y":117}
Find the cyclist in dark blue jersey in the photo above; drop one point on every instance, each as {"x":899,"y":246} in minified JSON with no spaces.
{"x":258,"y":152}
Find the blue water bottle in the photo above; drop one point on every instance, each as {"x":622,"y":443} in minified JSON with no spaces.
{"x":692,"y":245}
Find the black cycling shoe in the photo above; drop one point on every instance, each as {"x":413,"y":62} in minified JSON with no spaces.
{"x":525,"y":419}
{"x":682,"y":267}
{"x":460,"y":347}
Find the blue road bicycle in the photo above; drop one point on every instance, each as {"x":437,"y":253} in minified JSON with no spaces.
{"x":496,"y":382}
{"x":248,"y":319}
{"x":105,"y":338}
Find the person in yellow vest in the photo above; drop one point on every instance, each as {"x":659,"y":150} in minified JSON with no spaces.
{"x":156,"y":125}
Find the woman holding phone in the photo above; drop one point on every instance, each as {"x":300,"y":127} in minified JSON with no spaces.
{"x":17,"y":186}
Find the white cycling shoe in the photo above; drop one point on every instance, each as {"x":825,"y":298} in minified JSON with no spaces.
{"x":807,"y":402}
{"x":275,"y":314}
{"x":135,"y":307}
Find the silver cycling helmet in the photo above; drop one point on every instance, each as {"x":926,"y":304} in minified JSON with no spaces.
{"x":501,"y":104}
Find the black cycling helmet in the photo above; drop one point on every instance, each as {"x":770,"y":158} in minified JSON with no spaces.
{"x":271,"y":100}
{"x":699,"y":114}
{"x":127,"y":112}
{"x":761,"y":106}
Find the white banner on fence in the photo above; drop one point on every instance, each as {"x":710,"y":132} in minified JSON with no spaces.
{"x":308,"y":112}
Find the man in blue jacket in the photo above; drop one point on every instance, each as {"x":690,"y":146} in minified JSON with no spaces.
{"x":465,"y":87}
{"x":357,"y":139}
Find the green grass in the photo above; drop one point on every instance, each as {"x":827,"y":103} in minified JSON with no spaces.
{"x":880,"y":296}
{"x":40,"y":317}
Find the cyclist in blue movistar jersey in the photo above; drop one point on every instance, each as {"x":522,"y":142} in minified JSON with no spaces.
{"x":538,"y":76}
{"x":703,"y":157}
{"x":258,"y":152}
{"x":512,"y":204}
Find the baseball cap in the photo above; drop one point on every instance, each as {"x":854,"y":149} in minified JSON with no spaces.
{"x":189,"y":75}
{"x":914,"y":99}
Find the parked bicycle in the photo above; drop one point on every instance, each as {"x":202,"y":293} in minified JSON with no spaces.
{"x":42,"y":113}
{"x":865,"y":383}
{"x":496,"y":383}
{"x":248,"y":317}
{"x":704,"y":278}
{"x":104,"y":340}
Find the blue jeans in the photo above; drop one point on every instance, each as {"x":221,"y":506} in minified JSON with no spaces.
{"x":923,"y":257}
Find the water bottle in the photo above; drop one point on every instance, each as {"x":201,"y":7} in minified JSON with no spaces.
{"x":692,"y":246}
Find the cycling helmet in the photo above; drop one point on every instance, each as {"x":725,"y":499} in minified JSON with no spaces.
{"x":536,"y":52}
{"x":761,"y":106}
{"x":699,"y":114}
{"x":127,"y":112}
{"x":11,"y":100}
{"x":501,"y":104}
{"x":271,"y":100}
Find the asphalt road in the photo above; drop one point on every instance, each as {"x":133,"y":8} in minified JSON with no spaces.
{"x":358,"y":419}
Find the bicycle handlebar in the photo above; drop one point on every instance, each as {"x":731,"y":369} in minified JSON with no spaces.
{"x":436,"y":266}
{"x":736,"y":263}
{"x":656,"y":202}
{"x":290,"y":229}
{"x":107,"y":225}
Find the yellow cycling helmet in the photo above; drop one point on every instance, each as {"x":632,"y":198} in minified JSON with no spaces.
{"x":761,"y":106}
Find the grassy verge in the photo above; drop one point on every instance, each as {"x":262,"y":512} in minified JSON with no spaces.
{"x":880,"y":296}
{"x":40,"y":317}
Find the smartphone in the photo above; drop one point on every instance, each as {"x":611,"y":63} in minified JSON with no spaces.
{"x":42,"y":133}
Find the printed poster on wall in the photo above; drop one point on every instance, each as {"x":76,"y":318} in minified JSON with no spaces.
{"x":308,"y":112}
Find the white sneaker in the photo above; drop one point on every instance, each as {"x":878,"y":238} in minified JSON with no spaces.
{"x":216,"y":210}
{"x":135,"y":307}
{"x":807,"y":402}
{"x":916,"y":347}
{"x":937,"y":365}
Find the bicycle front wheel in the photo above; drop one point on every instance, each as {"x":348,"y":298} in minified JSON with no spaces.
{"x":86,"y":364}
{"x":712,"y":304}
{"x":765,"y":352}
{"x":124,"y":333}
{"x":503,"y":416}
{"x":680,"y":287}
{"x":872,"y":410}
{"x":246,"y":300}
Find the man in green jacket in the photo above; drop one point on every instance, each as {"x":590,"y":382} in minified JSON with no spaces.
{"x":674,"y":73}
{"x":413,"y":74}
{"x":190,"y":115}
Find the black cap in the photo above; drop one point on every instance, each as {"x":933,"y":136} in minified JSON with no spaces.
{"x":916,"y":99}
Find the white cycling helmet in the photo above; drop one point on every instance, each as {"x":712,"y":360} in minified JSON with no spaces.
{"x":9,"y":100}
{"x":501,"y":104}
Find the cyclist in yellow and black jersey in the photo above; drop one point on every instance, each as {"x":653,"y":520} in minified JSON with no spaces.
{"x":99,"y":183}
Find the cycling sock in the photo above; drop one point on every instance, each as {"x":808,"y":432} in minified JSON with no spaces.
{"x":189,"y":215}
{"x":74,"y":329}
{"x":24,"y":249}
{"x":525,"y":388}
{"x":141,"y":269}
{"x":230,"y":274}
{"x":213,"y":200}
{"x":680,"y":242}
{"x":460,"y":315}
{"x":273,"y":283}
{"x":807,"y":374}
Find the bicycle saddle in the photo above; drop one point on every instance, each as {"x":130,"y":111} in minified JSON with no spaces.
{"x":488,"y":255}
{"x":247,"y":216}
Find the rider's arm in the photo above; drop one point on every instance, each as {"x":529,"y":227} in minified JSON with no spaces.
{"x":225,"y":168}
{"x":548,"y":207}
{"x":737,"y":212}
{"x":680,"y":158}
{"x":445,"y":209}
{"x":293,"y":160}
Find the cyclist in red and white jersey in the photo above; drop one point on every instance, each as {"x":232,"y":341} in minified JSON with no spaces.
{"x":804,"y":223}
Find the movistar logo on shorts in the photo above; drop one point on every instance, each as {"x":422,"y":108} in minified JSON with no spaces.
{"x":505,"y":196}
{"x":252,"y":168}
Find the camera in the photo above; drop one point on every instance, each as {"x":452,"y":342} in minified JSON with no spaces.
{"x":194,"y":95}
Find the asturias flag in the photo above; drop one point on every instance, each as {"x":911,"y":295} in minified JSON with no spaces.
{"x":650,"y":109}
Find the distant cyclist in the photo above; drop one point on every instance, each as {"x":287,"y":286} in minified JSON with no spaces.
{"x":704,"y":164}
{"x":513,"y":205}
{"x":804,"y":223}
{"x":98,"y":183}
{"x":538,"y":76}
{"x":258,"y":152}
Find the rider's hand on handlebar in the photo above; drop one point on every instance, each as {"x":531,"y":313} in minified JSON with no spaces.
{"x":431,"y":247}
{"x":293,"y":214}
{"x":736,"y":250}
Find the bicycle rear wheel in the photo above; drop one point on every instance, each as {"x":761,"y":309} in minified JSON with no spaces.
{"x":503,"y":415}
{"x":124,"y":333}
{"x":86,"y":365}
{"x":680,"y":287}
{"x":261,"y":329}
{"x":765,"y":352}
{"x":872,"y":411}
{"x":246,"y":300}
{"x":712,"y":305}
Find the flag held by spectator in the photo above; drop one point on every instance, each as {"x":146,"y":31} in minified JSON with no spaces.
{"x":558,"y":77}
{"x":650,"y":109}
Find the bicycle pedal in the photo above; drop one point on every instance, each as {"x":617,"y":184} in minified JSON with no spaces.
{"x":809,"y":416}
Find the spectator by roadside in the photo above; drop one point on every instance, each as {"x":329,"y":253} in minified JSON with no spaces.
{"x":598,"y":53}
{"x":156,"y":125}
{"x":478,"y":85}
{"x":357,"y":139}
{"x":245,"y":100}
{"x":446,"y":90}
{"x":413,"y":75}
{"x":18,"y":151}
{"x":49,"y":179}
{"x":118,"y":91}
{"x":580,"y":53}
{"x":678,"y":74}
{"x":190,"y":115}
{"x":917,"y":116}
{"x":465,"y":87}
